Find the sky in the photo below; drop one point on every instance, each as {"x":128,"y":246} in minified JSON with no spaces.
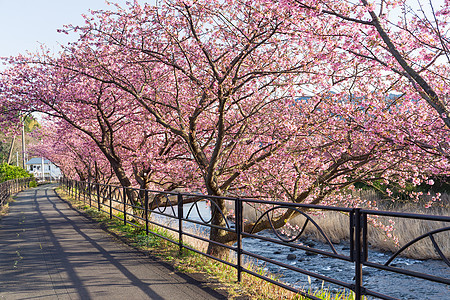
{"x":26,"y":24}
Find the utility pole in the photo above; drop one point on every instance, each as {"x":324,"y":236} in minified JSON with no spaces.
{"x":42,"y":167}
{"x":23,"y":143}
{"x":10,"y":153}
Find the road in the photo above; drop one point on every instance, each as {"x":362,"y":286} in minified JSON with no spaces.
{"x":50,"y":251}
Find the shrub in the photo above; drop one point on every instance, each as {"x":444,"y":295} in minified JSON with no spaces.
{"x":8,"y":172}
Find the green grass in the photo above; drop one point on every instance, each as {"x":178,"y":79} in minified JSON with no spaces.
{"x":4,"y":209}
{"x":191,"y":262}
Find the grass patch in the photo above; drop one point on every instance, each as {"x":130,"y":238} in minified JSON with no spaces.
{"x":4,"y":209}
{"x":219,"y":275}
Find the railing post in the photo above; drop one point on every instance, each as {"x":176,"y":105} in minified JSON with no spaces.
{"x":98,"y":197}
{"x":110,"y":201}
{"x":84,"y":193}
{"x":365,"y":245}
{"x":180,"y":222}
{"x":238,"y":227}
{"x":90,"y":194}
{"x":124,"y":206}
{"x":358,"y":253}
{"x":77,"y":190}
{"x":146,"y":211}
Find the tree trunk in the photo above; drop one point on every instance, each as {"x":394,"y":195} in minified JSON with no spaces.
{"x":218,"y":212}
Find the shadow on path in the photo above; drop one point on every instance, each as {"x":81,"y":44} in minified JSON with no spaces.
{"x":50,"y":251}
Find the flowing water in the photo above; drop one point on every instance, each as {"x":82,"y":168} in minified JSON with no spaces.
{"x":389,"y":283}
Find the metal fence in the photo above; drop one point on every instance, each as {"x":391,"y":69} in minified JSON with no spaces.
{"x":9,"y":187}
{"x":177,"y":212}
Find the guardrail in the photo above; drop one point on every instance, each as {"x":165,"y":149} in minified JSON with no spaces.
{"x":184,"y":209}
{"x":9,"y":187}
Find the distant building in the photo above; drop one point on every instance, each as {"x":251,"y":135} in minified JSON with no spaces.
{"x":50,"y":171}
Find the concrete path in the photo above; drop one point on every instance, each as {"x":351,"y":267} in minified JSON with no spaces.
{"x":49,"y":251}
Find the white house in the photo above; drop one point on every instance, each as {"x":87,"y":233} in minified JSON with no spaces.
{"x":50,"y":170}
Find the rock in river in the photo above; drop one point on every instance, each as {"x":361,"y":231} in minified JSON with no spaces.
{"x":291,"y":256}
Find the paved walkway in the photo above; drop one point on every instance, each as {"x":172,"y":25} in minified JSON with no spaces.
{"x":49,"y":251}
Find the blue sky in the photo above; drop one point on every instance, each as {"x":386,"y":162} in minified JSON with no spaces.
{"x":24,"y":24}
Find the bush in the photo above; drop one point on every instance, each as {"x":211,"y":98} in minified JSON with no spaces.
{"x":33,"y":184}
{"x":8,"y":172}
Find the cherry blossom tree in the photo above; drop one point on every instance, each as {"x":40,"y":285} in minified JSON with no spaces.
{"x":74,"y":153}
{"x":98,"y":111}
{"x":214,"y":94}
{"x":407,"y":41}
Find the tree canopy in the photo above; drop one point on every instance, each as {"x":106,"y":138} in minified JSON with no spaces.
{"x":286,"y":100}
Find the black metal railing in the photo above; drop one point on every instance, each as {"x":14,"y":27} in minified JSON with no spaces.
{"x":10,"y":187}
{"x":185,"y":211}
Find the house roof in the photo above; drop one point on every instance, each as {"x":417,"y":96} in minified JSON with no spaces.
{"x":38,"y":161}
